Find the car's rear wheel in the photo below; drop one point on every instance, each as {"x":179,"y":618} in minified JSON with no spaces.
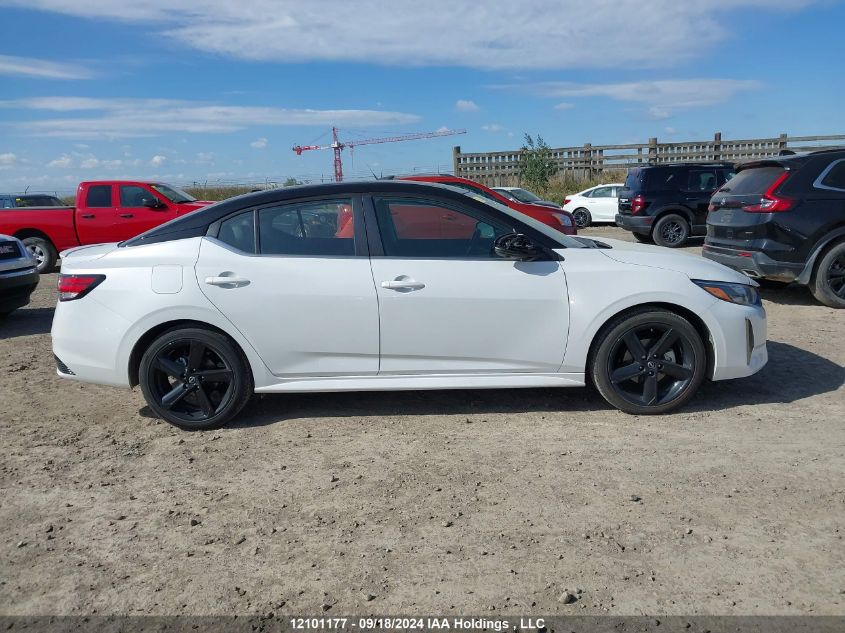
{"x":648,"y":361}
{"x":43,"y":252}
{"x":195,"y":379}
{"x":645,"y":238}
{"x":671,"y":231}
{"x":583,"y":219}
{"x":828,"y":283}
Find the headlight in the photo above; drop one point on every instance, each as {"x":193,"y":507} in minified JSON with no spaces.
{"x":564,"y":219}
{"x":742,"y":294}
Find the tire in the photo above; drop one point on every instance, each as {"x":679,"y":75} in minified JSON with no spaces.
{"x":828,"y":282}
{"x":645,"y":238}
{"x":671,"y":231}
{"x":636,"y":340}
{"x":582,"y":217}
{"x":44,"y":252}
{"x":195,"y":379}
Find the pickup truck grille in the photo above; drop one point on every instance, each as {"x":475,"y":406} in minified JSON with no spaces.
{"x":9,"y":250}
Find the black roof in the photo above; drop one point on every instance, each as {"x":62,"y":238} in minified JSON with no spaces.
{"x":197,"y":222}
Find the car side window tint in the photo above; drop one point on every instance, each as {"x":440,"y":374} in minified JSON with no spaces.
{"x":133,"y":196}
{"x":602,"y":192}
{"x":323,"y":227}
{"x":98,"y":196}
{"x":835,"y":177}
{"x":702,"y":180}
{"x":412,"y":227}
{"x":239,"y":232}
{"x":478,"y":191}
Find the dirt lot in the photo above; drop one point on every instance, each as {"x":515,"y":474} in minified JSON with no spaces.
{"x":441,"y":502}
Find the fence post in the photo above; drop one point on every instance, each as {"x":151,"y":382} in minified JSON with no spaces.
{"x":652,"y":150}
{"x":717,"y":147}
{"x":782,"y":142}
{"x":588,"y":160}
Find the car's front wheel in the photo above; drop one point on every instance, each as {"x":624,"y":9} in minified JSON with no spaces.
{"x":195,"y":379}
{"x":828,"y":284}
{"x":648,"y":361}
{"x":583,"y":219}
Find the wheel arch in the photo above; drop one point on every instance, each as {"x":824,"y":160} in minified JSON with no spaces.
{"x":696,"y":321}
{"x":22,"y":234}
{"x":150,"y":335}
{"x":830,"y":240}
{"x":685,"y":213}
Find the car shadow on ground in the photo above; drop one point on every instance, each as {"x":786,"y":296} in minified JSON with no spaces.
{"x":26,"y":322}
{"x":790,"y":295}
{"x":778,"y":382}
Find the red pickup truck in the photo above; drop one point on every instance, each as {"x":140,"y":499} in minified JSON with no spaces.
{"x":105,"y":211}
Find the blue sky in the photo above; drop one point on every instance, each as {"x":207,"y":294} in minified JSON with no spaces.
{"x":221,"y":90}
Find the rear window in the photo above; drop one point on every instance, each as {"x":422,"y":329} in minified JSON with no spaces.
{"x":633,"y":179}
{"x":752,"y":181}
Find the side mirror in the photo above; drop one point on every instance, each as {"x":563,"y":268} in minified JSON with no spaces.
{"x":152,"y":203}
{"x":517,"y":246}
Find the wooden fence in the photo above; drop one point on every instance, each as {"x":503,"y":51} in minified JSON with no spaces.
{"x":585,"y":161}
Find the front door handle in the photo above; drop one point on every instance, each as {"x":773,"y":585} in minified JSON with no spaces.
{"x":88,"y":216}
{"x":403,"y":284}
{"x":227,"y":281}
{"x":127,"y":215}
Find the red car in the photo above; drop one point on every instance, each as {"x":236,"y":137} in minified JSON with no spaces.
{"x":105,"y":211}
{"x":555,"y":218}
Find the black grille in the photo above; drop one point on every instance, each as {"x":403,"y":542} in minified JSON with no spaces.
{"x":62,"y":367}
{"x":9,"y":250}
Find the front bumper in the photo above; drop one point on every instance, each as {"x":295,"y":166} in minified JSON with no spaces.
{"x":754,"y":264}
{"x":635,"y":223}
{"x":16,"y":287}
{"x":740,"y":350}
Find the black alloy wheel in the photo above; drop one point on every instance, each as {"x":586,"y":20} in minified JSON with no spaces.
{"x":649,"y":362}
{"x":582,"y":217}
{"x":828,"y":282}
{"x":195,"y":379}
{"x":836,"y":275}
{"x":671,"y":231}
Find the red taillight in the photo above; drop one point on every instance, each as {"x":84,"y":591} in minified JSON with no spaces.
{"x":770,"y":203}
{"x":637,"y":204}
{"x":77,"y":286}
{"x":566,"y":201}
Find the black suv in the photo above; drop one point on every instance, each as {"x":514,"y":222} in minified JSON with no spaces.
{"x":668,"y":203}
{"x":783,"y":219}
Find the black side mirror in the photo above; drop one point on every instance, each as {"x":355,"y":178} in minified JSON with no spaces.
{"x":152,"y":203}
{"x":517,"y":246}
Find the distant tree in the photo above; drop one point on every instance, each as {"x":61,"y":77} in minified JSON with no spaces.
{"x":290,"y":182}
{"x":536,"y":166}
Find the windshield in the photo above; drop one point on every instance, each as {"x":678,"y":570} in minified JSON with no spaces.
{"x":564,"y":240}
{"x":173,"y":194}
{"x":523,"y":195}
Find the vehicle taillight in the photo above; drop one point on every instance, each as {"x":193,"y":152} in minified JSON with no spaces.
{"x":770,"y":202}
{"x":637,"y":204}
{"x":566,"y":201}
{"x":711,"y":208}
{"x":77,"y":286}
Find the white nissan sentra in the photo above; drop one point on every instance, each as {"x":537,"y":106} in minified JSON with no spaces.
{"x":388,"y":285}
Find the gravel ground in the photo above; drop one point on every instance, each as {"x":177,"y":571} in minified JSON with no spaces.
{"x":460,"y":502}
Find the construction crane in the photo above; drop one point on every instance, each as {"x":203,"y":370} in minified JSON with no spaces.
{"x":338,"y":145}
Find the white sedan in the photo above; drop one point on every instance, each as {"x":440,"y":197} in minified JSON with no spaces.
{"x":596,"y":204}
{"x":393,"y":285}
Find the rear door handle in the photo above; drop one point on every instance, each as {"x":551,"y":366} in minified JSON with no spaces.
{"x":227,"y":282}
{"x":88,"y":216}
{"x":127,"y":215}
{"x":403,"y":284}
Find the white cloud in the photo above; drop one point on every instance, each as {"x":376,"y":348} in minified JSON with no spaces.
{"x":8,"y":160}
{"x":122,"y":118}
{"x":565,"y":105}
{"x":493,"y":127}
{"x":465,"y":105}
{"x":41,"y":68}
{"x":63,"y":162}
{"x":205,"y":157}
{"x":259,"y":143}
{"x":158,"y":160}
{"x":89,"y":163}
{"x":491,"y":35}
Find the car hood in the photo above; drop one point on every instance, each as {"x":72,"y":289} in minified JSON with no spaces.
{"x":545,"y":203}
{"x":693,"y":266}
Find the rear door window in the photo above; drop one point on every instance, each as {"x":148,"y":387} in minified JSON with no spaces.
{"x":317,"y":228}
{"x":98,"y":196}
{"x":834,"y":176}
{"x":702,"y":180}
